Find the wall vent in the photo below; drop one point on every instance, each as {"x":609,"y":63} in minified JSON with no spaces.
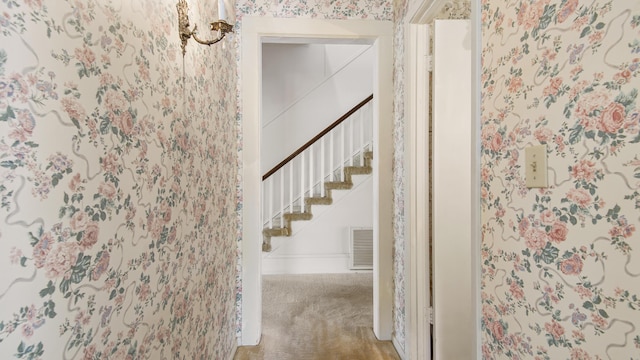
{"x":361,"y":246}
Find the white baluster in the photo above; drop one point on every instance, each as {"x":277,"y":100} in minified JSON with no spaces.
{"x":351,"y":142}
{"x":270,"y":212}
{"x":331,"y":168}
{"x":342,"y":157}
{"x":361,"y":145}
{"x":322,"y":167}
{"x":311,"y":171}
{"x":291,"y":186}
{"x":281,"y":197}
{"x":302,"y":170}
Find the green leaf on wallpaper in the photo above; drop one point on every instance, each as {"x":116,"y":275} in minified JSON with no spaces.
{"x":50,"y":309}
{"x":8,"y":164}
{"x":104,"y":126}
{"x":600,"y":25}
{"x":547,"y":16}
{"x":3,"y":60}
{"x":628,"y":100}
{"x":64,"y":287}
{"x":586,"y":31}
{"x":10,"y":114}
{"x":49,"y":290}
{"x":575,"y":134}
{"x":587,"y":305}
{"x":23,"y":261}
{"x":603,"y":313}
{"x":549,"y":254}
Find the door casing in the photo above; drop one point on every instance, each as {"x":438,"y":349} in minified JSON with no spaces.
{"x":377,"y":33}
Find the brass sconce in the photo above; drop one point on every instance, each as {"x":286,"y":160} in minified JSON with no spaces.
{"x":221,"y":26}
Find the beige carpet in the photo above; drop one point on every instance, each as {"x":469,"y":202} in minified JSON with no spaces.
{"x":318,"y":317}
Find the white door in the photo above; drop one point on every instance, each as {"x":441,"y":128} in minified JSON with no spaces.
{"x":454,"y":327}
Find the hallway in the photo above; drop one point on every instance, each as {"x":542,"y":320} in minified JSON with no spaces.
{"x":318,"y":317}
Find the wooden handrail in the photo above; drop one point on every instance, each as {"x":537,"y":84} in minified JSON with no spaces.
{"x":317,"y":137}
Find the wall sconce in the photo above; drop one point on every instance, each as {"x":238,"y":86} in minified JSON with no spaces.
{"x":221,"y":26}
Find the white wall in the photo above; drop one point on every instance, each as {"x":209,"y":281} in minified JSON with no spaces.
{"x":289,"y":72}
{"x":322,"y":244}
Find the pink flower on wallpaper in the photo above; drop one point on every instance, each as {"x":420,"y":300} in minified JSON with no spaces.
{"x":554,"y":329}
{"x":623,"y":228}
{"x":73,"y":108}
{"x":74,"y":183}
{"x":15,"y":255}
{"x":588,"y":104}
{"x":553,"y":87}
{"x":107,"y":189}
{"x":27,"y":330}
{"x":580,"y":197}
{"x":566,"y":11}
{"x":572,"y":265}
{"x":110,"y":163}
{"x":85,"y":55}
{"x":547,"y":217}
{"x":558,"y":232}
{"x":23,"y":128}
{"x":515,"y":84}
{"x":599,"y":321}
{"x":536,"y":239}
{"x":543,"y":134}
{"x":496,"y":142}
{"x":523,"y":226}
{"x":124,"y":121}
{"x":61,"y":258}
{"x":497,"y":329}
{"x":530,"y":14}
{"x":89,"y":352}
{"x":583,"y":292}
{"x":41,"y":249}
{"x":559,"y":140}
{"x":580,"y":354}
{"x":115,"y":102}
{"x":583,"y":170}
{"x":623,"y":77}
{"x":89,"y":236}
{"x":612,"y":118}
{"x":516,"y":290}
{"x":60,"y":162}
{"x":79,"y":221}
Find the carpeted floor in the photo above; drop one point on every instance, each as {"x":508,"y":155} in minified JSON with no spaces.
{"x":318,"y":317}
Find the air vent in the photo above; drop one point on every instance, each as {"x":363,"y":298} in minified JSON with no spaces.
{"x":361,"y":245}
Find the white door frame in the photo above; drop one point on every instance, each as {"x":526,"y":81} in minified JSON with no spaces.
{"x":417,"y":59}
{"x":378,"y":33}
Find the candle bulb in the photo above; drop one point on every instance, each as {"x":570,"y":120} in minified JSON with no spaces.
{"x":222,"y":15}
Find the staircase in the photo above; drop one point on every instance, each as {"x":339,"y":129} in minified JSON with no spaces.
{"x":309,"y":175}
{"x":306,"y":214}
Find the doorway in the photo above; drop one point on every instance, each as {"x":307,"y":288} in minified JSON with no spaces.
{"x":377,"y":33}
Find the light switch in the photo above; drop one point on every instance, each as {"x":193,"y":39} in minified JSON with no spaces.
{"x":535,"y":158}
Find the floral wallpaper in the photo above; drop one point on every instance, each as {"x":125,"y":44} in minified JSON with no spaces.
{"x":118,"y":161}
{"x":561,"y":265}
{"x":400,"y":269}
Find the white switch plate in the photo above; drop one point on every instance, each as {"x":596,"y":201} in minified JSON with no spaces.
{"x":535,"y":159}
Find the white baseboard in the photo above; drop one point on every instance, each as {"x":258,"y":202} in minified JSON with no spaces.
{"x":399,"y":348}
{"x":306,"y":264}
